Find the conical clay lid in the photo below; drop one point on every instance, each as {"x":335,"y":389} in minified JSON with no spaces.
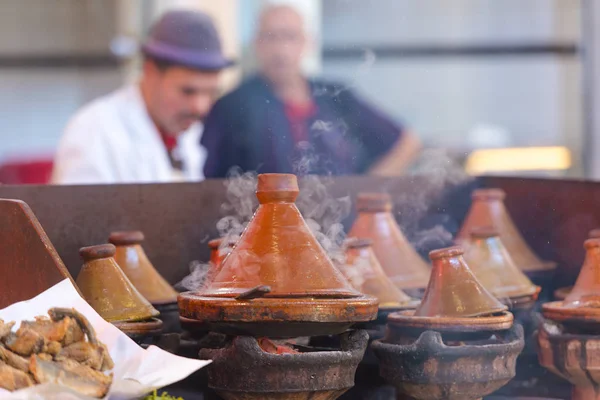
{"x":454,"y":291}
{"x":580,"y":310}
{"x":106,"y":288}
{"x":586,"y":292}
{"x":488,"y":209}
{"x":401,"y":263}
{"x":132,"y":259}
{"x":494,"y":268}
{"x":278,"y":250}
{"x":363,"y":271}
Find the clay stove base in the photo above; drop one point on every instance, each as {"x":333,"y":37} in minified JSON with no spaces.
{"x":243,"y":371}
{"x":574,"y":357}
{"x":429,"y":369}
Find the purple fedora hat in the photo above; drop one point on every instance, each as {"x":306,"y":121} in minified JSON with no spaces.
{"x":187,"y":38}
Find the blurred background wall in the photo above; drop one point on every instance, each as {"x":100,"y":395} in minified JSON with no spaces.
{"x":465,"y":74}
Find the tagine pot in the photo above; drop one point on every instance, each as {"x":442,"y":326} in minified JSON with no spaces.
{"x":495,"y":269}
{"x":563,"y":292}
{"x":401,"y":263}
{"x":488,"y":210}
{"x":569,"y":338}
{"x":134,"y":262}
{"x":365,"y":274}
{"x":278,"y":280}
{"x":459,"y":344}
{"x":107,"y":289}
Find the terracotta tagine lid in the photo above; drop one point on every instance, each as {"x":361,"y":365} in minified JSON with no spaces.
{"x":582,"y":305}
{"x":399,"y":260}
{"x":563,"y":292}
{"x":454,"y":299}
{"x":278,"y":273}
{"x":108,"y":290}
{"x":132,"y":259}
{"x":363,"y":271}
{"x":488,"y":209}
{"x":494,"y":267}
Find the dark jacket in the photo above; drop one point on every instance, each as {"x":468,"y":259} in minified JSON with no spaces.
{"x":248,"y":128}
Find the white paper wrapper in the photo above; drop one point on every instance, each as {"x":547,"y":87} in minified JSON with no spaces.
{"x":137,"y":371}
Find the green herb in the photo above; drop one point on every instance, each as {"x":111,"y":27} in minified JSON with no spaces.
{"x":163,"y":396}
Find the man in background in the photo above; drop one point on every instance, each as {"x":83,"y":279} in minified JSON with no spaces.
{"x":150,"y":131}
{"x":280,"y":121}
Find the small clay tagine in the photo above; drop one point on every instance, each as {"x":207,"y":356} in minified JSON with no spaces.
{"x":132,"y":259}
{"x":580,"y":310}
{"x":459,"y":323}
{"x":488,"y":210}
{"x":108,"y":290}
{"x":278,"y":280}
{"x":563,"y":292}
{"x":401,"y":263}
{"x":493,"y":266}
{"x":363,"y":271}
{"x":454,"y":301}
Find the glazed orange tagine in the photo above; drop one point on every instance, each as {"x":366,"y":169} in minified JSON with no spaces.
{"x":459,"y":322}
{"x":278,"y":279}
{"x":569,"y":338}
{"x":399,"y":260}
{"x":488,"y":210}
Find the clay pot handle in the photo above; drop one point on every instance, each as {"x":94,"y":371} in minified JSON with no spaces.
{"x":254,"y":293}
{"x":126,"y":238}
{"x":354,"y":341}
{"x":373,"y":202}
{"x":97,"y":252}
{"x":274,"y":188}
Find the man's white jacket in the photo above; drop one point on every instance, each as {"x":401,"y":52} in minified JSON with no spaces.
{"x":113,"y":140}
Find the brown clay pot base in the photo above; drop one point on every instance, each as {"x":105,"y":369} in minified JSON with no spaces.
{"x":460,"y":371}
{"x":285,"y":317}
{"x":572,"y":356}
{"x":562,"y":293}
{"x":141,"y":329}
{"x":584,"y":318}
{"x":241,"y":370}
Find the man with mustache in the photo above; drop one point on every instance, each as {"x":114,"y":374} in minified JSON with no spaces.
{"x":150,"y":131}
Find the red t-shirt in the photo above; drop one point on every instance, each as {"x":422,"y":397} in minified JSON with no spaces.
{"x":298,"y":116}
{"x":170,"y":141}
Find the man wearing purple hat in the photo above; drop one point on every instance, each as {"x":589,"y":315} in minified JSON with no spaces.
{"x":150,"y":131}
